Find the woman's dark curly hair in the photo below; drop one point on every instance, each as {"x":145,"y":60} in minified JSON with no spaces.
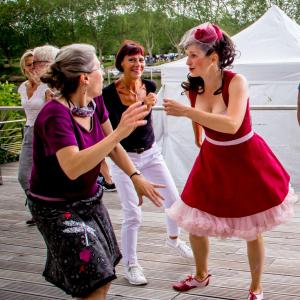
{"x":226,"y":52}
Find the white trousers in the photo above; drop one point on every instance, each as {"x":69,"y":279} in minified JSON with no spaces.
{"x":153,"y":167}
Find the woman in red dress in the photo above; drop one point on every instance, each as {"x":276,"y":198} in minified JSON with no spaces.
{"x":237,"y":187}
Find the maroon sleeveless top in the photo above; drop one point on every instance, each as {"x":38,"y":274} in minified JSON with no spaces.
{"x":246,"y":124}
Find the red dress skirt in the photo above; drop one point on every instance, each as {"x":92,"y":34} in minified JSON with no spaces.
{"x":237,"y":186}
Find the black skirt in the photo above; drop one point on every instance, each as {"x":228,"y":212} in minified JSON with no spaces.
{"x":82,"y":249}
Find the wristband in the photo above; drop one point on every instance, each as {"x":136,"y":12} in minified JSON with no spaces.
{"x":137,"y":172}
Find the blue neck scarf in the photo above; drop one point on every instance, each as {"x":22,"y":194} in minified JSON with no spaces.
{"x":85,"y":111}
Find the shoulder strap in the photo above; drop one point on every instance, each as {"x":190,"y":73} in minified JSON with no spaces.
{"x":192,"y":97}
{"x":228,"y":75}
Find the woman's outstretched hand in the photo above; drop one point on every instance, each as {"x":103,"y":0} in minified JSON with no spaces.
{"x":132,"y":118}
{"x":146,"y":188}
{"x":174,"y":108}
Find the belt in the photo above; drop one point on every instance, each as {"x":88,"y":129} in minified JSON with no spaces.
{"x":37,"y":197}
{"x":240,"y":140}
{"x":139,"y":150}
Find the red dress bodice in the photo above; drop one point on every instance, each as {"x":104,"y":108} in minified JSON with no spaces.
{"x":246,"y":124}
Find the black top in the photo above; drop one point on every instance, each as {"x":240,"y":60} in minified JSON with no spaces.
{"x":141,"y":137}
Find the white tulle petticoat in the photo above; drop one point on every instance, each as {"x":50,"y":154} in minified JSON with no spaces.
{"x":200,"y":223}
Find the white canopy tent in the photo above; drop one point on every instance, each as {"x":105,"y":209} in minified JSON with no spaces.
{"x":270,"y":60}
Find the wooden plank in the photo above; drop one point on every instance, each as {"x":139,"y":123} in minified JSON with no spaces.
{"x":22,"y":257}
{"x":13,"y":295}
{"x":34,"y":289}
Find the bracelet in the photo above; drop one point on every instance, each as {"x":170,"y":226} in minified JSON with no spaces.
{"x":137,"y":172}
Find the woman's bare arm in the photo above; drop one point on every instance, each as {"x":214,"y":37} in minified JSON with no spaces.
{"x":75,"y":162}
{"x":228,"y":123}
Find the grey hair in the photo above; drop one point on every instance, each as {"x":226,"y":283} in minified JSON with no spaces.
{"x":45,"y":53}
{"x":75,"y":59}
{"x":25,"y":55}
{"x":70,"y":62}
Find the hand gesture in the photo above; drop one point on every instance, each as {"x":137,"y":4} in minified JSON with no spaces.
{"x":146,"y":188}
{"x":174,"y":108}
{"x":49,"y":95}
{"x":131,"y":118}
{"x":35,"y":77}
{"x":150,"y":100}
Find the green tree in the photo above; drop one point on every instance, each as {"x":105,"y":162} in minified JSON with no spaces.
{"x":10,"y":39}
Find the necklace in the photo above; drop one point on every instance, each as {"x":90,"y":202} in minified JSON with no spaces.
{"x":84,"y":111}
{"x":131,"y":91}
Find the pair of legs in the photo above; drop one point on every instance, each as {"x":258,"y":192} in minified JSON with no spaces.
{"x":25,"y":163}
{"x":104,"y":170}
{"x":99,"y":294}
{"x":256,"y":255}
{"x":105,"y":179}
{"x":25,"y":159}
{"x":153,"y":167}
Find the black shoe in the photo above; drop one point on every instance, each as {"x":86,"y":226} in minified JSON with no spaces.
{"x":108,"y":187}
{"x":31,"y":222}
{"x":100,"y":179}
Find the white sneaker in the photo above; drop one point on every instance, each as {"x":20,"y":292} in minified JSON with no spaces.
{"x":181,"y":248}
{"x":134,"y":274}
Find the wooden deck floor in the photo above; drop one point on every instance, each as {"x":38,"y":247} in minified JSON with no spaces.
{"x":22,"y":256}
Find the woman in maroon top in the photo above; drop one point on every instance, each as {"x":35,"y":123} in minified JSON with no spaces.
{"x":237,"y":187}
{"x":72,"y":135}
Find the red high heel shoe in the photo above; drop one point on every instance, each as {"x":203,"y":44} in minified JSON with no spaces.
{"x":190,"y":283}
{"x":253,"y":296}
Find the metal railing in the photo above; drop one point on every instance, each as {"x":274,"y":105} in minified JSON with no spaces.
{"x":11,"y":139}
{"x":11,"y":136}
{"x":256,"y":107}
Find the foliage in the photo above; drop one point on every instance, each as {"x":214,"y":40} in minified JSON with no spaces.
{"x":9,"y":133}
{"x":157,"y":24}
{"x":8,"y":95}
